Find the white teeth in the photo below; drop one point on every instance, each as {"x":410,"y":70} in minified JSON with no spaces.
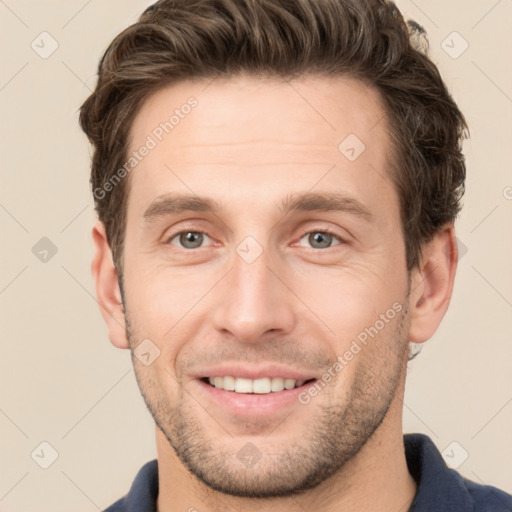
{"x":259,"y":386}
{"x":277,"y":384}
{"x":242,"y":385}
{"x":228,"y":384}
{"x":289,"y":383}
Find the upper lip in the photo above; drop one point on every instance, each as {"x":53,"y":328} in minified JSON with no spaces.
{"x":255,"y":372}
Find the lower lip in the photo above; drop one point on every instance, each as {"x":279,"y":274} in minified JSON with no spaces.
{"x":251,"y":404}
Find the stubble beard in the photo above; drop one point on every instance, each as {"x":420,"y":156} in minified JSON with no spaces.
{"x":328,"y":444}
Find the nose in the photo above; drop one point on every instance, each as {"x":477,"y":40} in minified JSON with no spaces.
{"x":255,"y":302}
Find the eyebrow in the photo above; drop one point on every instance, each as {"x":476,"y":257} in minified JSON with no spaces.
{"x":169,"y":204}
{"x":324,"y":202}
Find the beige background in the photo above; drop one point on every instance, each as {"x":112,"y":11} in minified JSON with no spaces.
{"x":63,"y":382}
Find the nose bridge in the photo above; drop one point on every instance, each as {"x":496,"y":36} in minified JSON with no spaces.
{"x":253,"y":301}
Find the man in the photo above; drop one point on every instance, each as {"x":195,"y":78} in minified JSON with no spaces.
{"x":277,"y":184}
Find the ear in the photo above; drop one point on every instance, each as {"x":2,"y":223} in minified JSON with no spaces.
{"x":432,"y":284}
{"x":107,"y":287}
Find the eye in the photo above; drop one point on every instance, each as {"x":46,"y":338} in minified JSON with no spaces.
{"x":189,"y":239}
{"x":321,"y":239}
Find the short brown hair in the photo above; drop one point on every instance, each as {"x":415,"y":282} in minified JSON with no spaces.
{"x":175,"y":40}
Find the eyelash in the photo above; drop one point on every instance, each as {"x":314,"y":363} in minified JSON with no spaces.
{"x":323,"y":231}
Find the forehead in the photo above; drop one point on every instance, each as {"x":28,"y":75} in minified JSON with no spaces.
{"x":247,"y":108}
{"x":248,"y":131}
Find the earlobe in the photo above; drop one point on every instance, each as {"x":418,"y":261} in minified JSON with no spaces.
{"x":432,"y":285}
{"x":107,"y":287}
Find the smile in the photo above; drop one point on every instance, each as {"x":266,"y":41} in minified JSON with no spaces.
{"x":257,"y":386}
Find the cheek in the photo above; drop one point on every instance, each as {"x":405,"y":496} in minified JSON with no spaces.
{"x":349,"y":299}
{"x":164,"y":294}
{"x":163,"y":306}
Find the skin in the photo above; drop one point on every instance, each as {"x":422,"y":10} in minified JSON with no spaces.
{"x":248,"y":144}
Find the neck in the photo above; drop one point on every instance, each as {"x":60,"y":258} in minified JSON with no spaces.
{"x":376,"y":479}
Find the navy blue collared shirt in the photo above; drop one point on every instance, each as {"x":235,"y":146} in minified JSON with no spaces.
{"x":440,"y":489}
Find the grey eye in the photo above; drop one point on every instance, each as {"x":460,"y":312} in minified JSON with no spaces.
{"x":189,"y":239}
{"x":320,"y":239}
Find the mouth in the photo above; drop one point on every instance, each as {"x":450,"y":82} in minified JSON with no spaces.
{"x":261,"y":386}
{"x":252,"y":393}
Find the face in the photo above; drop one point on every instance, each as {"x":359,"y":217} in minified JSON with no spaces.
{"x":263,"y":252}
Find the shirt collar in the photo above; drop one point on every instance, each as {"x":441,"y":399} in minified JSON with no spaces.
{"x":439,"y":488}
